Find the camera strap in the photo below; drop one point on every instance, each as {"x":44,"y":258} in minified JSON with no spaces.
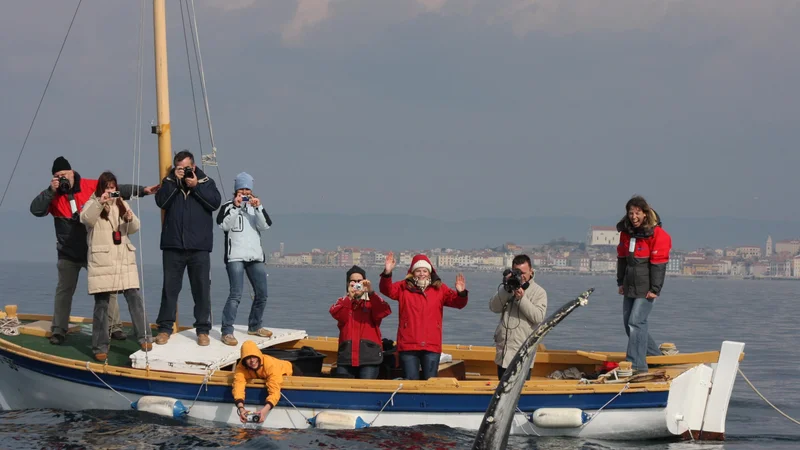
{"x":73,"y":206}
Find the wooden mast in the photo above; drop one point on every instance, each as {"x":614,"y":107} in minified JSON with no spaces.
{"x":162,"y":100}
{"x":162,"y":89}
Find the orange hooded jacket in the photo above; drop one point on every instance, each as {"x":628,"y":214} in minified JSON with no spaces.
{"x":271,"y":369}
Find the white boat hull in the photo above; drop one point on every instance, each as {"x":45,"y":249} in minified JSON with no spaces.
{"x":625,"y":417}
{"x":24,"y":388}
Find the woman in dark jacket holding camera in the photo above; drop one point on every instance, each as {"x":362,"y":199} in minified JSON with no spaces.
{"x":359,"y":315}
{"x":643,"y":253}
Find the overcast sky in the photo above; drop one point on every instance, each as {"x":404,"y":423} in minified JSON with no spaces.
{"x":449,"y":109}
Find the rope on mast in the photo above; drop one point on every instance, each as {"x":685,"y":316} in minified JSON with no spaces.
{"x":36,"y":114}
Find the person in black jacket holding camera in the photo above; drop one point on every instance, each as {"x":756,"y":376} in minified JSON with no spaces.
{"x":188,"y":198}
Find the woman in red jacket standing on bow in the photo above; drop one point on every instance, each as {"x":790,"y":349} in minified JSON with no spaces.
{"x":422,"y":297}
{"x":359,"y":315}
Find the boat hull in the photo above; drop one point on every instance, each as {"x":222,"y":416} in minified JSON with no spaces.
{"x":30,"y":383}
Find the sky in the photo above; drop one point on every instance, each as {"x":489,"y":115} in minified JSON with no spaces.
{"x":448,"y":109}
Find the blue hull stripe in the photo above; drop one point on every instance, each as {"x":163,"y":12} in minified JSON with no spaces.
{"x":403,"y":402}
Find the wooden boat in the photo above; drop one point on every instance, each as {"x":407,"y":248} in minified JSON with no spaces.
{"x":686,"y":392}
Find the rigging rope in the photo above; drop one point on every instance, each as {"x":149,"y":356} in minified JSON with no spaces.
{"x":211,"y":159}
{"x":41,"y":100}
{"x":199,"y":57}
{"x":137,"y":171}
{"x":191,"y":78}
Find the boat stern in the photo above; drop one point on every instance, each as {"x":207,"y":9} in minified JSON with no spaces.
{"x":698,"y":399}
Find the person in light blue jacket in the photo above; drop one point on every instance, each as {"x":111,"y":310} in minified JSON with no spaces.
{"x":243,"y":219}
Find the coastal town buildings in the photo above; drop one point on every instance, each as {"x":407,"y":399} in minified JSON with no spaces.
{"x":597,"y":255}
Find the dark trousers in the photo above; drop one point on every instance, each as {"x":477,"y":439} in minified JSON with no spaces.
{"x":100,"y":333}
{"x":68,"y":272}
{"x":412,"y":360}
{"x":198,"y":264}
{"x":362,"y":372}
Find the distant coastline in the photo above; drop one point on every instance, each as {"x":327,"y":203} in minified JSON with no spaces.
{"x":549,"y":271}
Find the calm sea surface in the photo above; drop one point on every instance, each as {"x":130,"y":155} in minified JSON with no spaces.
{"x":695,"y":314}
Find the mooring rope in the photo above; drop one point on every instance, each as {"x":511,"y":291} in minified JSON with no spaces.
{"x":391,"y":400}
{"x":624,"y":388}
{"x":765,"y":399}
{"x":88,"y":367}
{"x":9,"y":326}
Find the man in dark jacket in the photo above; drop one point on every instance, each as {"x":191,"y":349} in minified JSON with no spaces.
{"x":188,"y":198}
{"x":64,"y":199}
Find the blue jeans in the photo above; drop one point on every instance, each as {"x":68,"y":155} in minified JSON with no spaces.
{"x":412,"y":360}
{"x":362,"y":372}
{"x":257,"y":274}
{"x":640,"y":343}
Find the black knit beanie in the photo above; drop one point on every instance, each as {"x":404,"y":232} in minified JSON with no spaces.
{"x":60,"y":164}
{"x":355,"y":269}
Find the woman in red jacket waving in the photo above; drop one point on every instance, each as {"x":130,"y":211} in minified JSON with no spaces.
{"x":422,"y":297}
{"x":359,"y":315}
{"x":643,"y":253}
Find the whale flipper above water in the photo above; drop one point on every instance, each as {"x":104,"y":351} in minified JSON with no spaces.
{"x":494,"y":430}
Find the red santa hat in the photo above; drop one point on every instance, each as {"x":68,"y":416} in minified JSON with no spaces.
{"x":421,"y":261}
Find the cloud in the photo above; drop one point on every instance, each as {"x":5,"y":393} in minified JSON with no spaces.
{"x":432,"y":5}
{"x":231,"y":5}
{"x":308,"y":14}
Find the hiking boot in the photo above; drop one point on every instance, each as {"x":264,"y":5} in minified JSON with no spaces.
{"x":203,"y":340}
{"x":228,"y":339}
{"x":119,"y":335}
{"x":162,"y":338}
{"x":57,"y":339}
{"x":100,"y":357}
{"x":146,"y":346}
{"x":261,"y":332}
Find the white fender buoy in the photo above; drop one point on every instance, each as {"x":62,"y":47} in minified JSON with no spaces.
{"x":331,"y":420}
{"x":559,"y":417}
{"x":163,"y":406}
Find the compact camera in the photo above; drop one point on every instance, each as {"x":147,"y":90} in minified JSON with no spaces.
{"x":252,"y":417}
{"x":358,"y":286}
{"x":63,"y":185}
{"x":245,"y":199}
{"x":188,"y":172}
{"x":114,"y":194}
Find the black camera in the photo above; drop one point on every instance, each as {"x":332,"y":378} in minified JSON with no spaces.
{"x":512,"y":280}
{"x":63,"y":185}
{"x":114,"y":194}
{"x":188,"y":172}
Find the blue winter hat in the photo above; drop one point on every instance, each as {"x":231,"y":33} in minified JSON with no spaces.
{"x":243,"y":181}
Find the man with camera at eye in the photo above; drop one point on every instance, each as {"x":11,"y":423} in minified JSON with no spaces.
{"x":64,"y":199}
{"x":187,"y":197}
{"x":522,"y":304}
